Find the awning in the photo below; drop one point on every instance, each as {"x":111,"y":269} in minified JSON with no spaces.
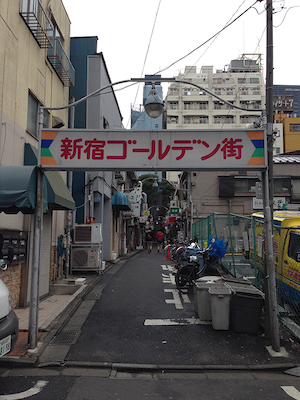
{"x":120,"y":201}
{"x":18,"y":189}
{"x":58,"y":197}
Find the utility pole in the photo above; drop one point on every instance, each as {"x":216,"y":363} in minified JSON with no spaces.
{"x":69,"y":213}
{"x":271,"y":298}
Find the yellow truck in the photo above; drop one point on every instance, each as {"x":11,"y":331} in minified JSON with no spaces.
{"x":286,"y":244}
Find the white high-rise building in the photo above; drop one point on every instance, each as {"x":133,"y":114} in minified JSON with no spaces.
{"x":240,"y":83}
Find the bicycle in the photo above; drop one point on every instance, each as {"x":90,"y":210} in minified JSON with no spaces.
{"x":200,"y":264}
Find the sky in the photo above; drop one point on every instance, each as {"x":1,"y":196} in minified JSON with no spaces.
{"x":140,"y":38}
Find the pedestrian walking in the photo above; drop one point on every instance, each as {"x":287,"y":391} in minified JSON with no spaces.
{"x":160,"y":237}
{"x":149,"y":237}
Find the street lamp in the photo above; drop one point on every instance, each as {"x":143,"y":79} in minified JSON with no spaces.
{"x":154,"y":106}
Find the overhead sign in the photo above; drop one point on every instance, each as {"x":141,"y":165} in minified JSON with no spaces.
{"x":174,"y":210}
{"x":73,"y":149}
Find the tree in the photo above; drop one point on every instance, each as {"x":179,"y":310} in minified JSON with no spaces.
{"x":157,"y":196}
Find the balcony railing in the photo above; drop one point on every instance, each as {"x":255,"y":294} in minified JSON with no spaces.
{"x":61,"y":63}
{"x":37,"y":21}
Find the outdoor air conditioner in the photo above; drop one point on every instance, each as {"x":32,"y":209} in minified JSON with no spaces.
{"x":88,"y":233}
{"x":85,"y":258}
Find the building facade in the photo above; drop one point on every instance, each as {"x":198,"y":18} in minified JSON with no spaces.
{"x":99,"y":195}
{"x":241,"y":83}
{"x":35,"y":70}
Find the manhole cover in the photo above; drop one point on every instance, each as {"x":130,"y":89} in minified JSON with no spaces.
{"x":64,"y":338}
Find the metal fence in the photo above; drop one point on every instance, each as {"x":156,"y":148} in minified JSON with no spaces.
{"x":245,"y":258}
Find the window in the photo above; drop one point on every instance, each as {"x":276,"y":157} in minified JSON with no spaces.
{"x":245,"y":185}
{"x":229,"y":91}
{"x":187,"y":92}
{"x":217,"y":105}
{"x":282,"y":185}
{"x":295,"y":127}
{"x":218,"y":91}
{"x":229,"y":119}
{"x":241,"y":80}
{"x":244,"y":119}
{"x":256,"y":105}
{"x":228,"y":107}
{"x":244,"y":91}
{"x":254,"y":80}
{"x":294,"y":245}
{"x":217,"y":80}
{"x":187,"y":120}
{"x":202,"y":106}
{"x":245,"y":104}
{"x":173,"y":120}
{"x":203,"y":120}
{"x":186,"y":106}
{"x":173,"y":91}
{"x":217,"y":120}
{"x":173,"y":105}
{"x":32,"y":117}
{"x":277,"y":150}
{"x":256,"y":90}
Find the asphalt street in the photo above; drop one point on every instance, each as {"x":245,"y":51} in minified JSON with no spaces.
{"x":129,"y":323}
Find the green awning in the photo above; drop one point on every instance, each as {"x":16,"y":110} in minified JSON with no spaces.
{"x":120,"y":201}
{"x":18,"y":189}
{"x":59,"y":197}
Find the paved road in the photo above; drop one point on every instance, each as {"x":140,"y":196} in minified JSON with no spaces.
{"x":101,"y":385}
{"x":129,"y":324}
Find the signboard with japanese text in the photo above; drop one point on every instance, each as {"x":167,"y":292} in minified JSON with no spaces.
{"x":76,"y":149}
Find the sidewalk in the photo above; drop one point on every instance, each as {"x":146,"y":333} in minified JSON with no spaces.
{"x":49,"y":309}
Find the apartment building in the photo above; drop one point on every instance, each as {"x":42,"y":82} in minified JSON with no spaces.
{"x":35,"y":70}
{"x":240,"y":83}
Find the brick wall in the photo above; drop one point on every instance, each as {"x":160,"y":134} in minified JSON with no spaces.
{"x":12,"y":279}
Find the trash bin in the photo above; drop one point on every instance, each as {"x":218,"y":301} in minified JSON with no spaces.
{"x":220,"y":306}
{"x":202,"y":297}
{"x":246,"y":305}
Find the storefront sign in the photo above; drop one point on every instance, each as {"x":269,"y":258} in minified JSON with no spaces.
{"x":73,"y":149}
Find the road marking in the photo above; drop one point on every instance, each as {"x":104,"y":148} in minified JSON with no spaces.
{"x":38,"y":387}
{"x":168,"y":278}
{"x":167,"y":322}
{"x":292,"y":392}
{"x":176,"y":298}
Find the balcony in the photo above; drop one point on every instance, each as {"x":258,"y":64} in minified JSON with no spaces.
{"x":61,"y":63}
{"x":37,"y":21}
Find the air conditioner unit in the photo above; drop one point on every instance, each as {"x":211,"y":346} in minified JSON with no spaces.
{"x":88,"y":233}
{"x":85,"y":258}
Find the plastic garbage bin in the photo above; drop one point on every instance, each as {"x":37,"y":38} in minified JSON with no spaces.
{"x":220,"y":306}
{"x":246,"y":306}
{"x":202,"y":297}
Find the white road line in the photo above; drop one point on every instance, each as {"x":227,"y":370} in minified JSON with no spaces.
{"x":28,"y":393}
{"x":185,"y":298}
{"x":176,"y":298}
{"x":168,"y":322}
{"x":168,"y":278}
{"x":292,"y":392}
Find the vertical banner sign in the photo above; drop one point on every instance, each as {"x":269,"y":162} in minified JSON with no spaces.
{"x":146,"y":150}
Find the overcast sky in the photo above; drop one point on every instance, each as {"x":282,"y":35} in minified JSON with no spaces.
{"x":138,"y":37}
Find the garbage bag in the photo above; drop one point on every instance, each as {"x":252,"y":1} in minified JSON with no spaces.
{"x":219,"y":247}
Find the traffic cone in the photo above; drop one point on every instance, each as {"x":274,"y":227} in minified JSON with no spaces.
{"x":168,"y":256}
